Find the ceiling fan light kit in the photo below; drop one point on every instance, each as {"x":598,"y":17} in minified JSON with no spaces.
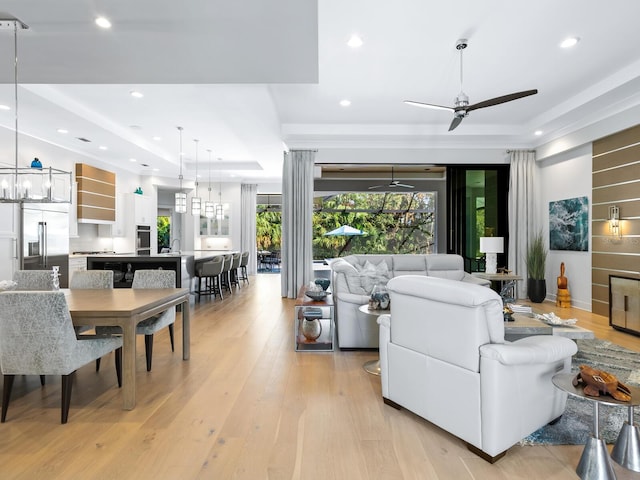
{"x":461,"y":106}
{"x":392,"y":184}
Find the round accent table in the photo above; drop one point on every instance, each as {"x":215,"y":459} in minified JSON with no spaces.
{"x":595,"y":462}
{"x":372,"y":366}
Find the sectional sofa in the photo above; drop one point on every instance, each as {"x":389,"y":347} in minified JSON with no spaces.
{"x":354,"y":276}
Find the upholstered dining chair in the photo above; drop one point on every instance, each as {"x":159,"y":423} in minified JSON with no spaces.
{"x":149,"y":326}
{"x":90,"y":279}
{"x":225,"y":276}
{"x":33,"y":280}
{"x":37,"y":338}
{"x":233,"y":271}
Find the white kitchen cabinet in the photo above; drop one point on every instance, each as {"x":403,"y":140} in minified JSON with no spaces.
{"x":142,"y":210}
{"x":77,"y":264}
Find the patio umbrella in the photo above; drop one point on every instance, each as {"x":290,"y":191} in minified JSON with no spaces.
{"x":345,"y":231}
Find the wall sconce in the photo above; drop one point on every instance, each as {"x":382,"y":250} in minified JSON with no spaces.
{"x":614,"y":221}
{"x":491,"y":246}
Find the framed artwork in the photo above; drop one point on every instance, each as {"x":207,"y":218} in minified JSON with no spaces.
{"x":569,"y":224}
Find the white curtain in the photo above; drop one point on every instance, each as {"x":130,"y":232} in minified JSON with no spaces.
{"x":248,"y":225}
{"x":522,"y":220}
{"x":297,"y":211}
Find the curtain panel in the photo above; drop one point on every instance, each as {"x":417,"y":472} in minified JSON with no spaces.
{"x":522,"y":221}
{"x":297,"y":217}
{"x":248,"y":243}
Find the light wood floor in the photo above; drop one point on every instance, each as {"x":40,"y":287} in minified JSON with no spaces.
{"x":247,"y":406}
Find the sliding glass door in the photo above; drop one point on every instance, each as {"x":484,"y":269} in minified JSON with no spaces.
{"x":477,"y":207}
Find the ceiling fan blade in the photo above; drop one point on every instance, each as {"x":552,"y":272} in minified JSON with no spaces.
{"x":372,"y":187}
{"x":455,"y":122}
{"x":428,"y":105}
{"x":503,"y":99}
{"x":404,"y":185}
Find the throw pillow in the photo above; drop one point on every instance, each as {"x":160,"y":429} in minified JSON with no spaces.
{"x":372,"y":275}
{"x":352,"y":276}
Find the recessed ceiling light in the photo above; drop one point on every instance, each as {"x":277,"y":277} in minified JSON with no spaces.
{"x":355,"y":41}
{"x":569,"y":42}
{"x":132,"y":160}
{"x":136,"y":94}
{"x":103,"y":22}
{"x":538,"y":132}
{"x":62,"y":130}
{"x":102,"y":147}
{"x":345,"y":102}
{"x":5,"y":107}
{"x":157,"y":138}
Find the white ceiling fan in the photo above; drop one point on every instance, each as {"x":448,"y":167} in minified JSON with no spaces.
{"x":462,"y":108}
{"x":393,"y":184}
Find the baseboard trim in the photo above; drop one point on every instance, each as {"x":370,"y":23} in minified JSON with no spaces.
{"x":391,"y":403}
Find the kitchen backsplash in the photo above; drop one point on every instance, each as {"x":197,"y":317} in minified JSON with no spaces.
{"x":88,"y":240}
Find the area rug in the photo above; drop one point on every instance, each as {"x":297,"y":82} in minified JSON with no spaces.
{"x":574,"y":427}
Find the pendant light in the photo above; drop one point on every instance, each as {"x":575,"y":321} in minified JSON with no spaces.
{"x":209,"y":206}
{"x":196,"y":201}
{"x":219,"y":214}
{"x":35,"y":184}
{"x":181,"y":197}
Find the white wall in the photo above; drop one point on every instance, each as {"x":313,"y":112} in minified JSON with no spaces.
{"x":567,"y":175}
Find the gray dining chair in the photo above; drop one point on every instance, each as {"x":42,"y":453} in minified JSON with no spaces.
{"x":37,"y":338}
{"x":149,"y":326}
{"x":90,"y":279}
{"x":33,"y":280}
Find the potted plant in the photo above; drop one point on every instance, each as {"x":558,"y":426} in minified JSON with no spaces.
{"x":536,"y":260}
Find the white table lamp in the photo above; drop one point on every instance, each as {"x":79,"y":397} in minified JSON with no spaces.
{"x":491,"y":246}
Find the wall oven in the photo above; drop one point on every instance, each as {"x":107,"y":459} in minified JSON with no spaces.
{"x":143,"y":240}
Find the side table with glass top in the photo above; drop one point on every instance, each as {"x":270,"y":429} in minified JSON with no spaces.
{"x":372,"y":366}
{"x":595,"y":462}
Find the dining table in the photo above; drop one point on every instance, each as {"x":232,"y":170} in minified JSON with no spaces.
{"x":125,"y":308}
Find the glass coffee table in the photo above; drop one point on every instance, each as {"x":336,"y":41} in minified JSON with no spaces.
{"x":372,"y":366}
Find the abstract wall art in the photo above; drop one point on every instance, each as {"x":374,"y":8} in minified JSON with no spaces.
{"x":569,"y":224}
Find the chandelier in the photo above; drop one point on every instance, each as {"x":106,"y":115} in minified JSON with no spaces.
{"x":181,"y":197}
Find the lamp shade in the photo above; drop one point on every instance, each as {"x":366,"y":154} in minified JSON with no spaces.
{"x":492,"y":244}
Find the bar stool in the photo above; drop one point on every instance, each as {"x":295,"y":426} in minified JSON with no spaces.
{"x":233,"y":272}
{"x":225,"y":275}
{"x":210,"y":272}
{"x":242,"y":269}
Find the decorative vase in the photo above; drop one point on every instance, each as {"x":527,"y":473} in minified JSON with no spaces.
{"x":323,"y":282}
{"x":379,"y":299}
{"x":537,"y":290}
{"x":311,"y":328}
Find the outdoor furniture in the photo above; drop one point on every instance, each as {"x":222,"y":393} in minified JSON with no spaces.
{"x":37,"y":338}
{"x":145,"y":279}
{"x":272,"y":260}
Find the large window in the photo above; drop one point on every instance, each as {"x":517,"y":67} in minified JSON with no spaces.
{"x":391,"y":222}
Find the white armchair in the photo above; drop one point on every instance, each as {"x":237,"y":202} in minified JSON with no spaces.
{"x":443,"y":356}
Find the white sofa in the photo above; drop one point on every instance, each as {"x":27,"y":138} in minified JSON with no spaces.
{"x":443,"y":356}
{"x":352,"y":283}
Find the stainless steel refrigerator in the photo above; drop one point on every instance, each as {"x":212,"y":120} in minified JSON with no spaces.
{"x":45,"y":238}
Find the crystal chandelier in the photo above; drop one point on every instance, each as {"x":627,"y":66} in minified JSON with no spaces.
{"x":35,"y":184}
{"x":209,"y":205}
{"x":181,"y":197}
{"x":196,"y":201}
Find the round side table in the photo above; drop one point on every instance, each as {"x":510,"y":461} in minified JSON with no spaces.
{"x":595,"y":462}
{"x":372,"y":366}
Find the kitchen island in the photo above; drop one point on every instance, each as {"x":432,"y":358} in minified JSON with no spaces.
{"x":124,"y":266}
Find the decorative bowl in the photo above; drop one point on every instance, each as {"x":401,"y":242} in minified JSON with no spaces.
{"x":317,"y":296}
{"x":323,"y":282}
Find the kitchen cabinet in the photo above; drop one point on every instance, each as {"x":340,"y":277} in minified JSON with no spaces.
{"x":142,"y":210}
{"x":77,"y":264}
{"x":96,"y":196}
{"x":73,"y":211}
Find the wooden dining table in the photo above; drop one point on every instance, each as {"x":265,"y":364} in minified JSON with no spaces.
{"x":125,"y":308}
